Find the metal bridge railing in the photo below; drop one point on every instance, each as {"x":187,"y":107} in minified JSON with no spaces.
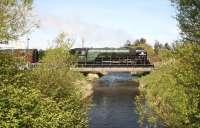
{"x":114,"y":65}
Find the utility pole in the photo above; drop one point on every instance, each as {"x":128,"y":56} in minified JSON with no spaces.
{"x":26,"y":56}
{"x":83,"y":41}
{"x":27,"y":45}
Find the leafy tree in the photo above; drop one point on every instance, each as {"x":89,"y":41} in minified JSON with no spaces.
{"x":15,"y":18}
{"x":41,"y":54}
{"x":43,"y":97}
{"x":54,"y":71}
{"x":172,"y":90}
{"x":128,"y":43}
{"x":142,"y":43}
{"x":157,"y":47}
{"x":163,"y":52}
{"x":20,"y":104}
{"x":189,"y":18}
{"x":56,"y":80}
{"x":167,"y":46}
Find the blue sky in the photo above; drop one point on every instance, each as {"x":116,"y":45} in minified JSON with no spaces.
{"x":104,"y":23}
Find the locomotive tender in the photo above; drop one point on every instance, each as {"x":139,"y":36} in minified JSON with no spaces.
{"x":111,"y":56}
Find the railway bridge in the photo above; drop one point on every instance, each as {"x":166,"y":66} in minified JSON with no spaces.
{"x":105,"y":69}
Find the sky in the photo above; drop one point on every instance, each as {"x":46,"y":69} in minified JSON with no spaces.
{"x":103,"y":23}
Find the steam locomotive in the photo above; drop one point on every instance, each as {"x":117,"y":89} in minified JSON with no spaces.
{"x":111,"y":56}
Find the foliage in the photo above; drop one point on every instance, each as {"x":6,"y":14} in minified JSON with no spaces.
{"x":172,"y":91}
{"x":189,"y":18}
{"x":142,"y":43}
{"x":15,"y":18}
{"x":165,"y":54}
{"x":55,"y":79}
{"x":43,"y":97}
{"x":157,"y":47}
{"x":54,"y":71}
{"x":157,"y":53}
{"x":41,"y":54}
{"x":162,"y":52}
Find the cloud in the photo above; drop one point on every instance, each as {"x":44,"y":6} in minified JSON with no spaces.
{"x":94,"y":35}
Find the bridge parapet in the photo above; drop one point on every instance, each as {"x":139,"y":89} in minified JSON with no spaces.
{"x":106,"y":70}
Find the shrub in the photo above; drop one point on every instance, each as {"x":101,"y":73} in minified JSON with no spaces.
{"x":43,"y":97}
{"x":172,"y":91}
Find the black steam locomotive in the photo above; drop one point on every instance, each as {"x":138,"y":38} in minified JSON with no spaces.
{"x":111,"y":56}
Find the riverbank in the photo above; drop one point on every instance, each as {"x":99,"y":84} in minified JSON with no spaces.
{"x":171,"y":91}
{"x":86,"y":87}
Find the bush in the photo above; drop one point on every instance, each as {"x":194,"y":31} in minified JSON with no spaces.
{"x":172,"y":91}
{"x":43,"y":97}
{"x":56,"y":80}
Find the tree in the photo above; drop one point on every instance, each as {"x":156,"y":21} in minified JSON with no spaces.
{"x":55,"y":79}
{"x":188,"y":17}
{"x":127,"y":44}
{"x":172,"y":91}
{"x":157,"y":47}
{"x":140,"y":41}
{"x":54,"y":71}
{"x":15,"y":18}
{"x":44,"y":96}
{"x":167,"y":46}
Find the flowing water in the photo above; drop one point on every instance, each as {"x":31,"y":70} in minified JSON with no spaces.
{"x":113,"y":100}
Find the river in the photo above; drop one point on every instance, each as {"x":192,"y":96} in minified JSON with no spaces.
{"x":113,"y":101}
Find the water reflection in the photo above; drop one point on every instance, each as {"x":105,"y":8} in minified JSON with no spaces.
{"x":114,"y":105}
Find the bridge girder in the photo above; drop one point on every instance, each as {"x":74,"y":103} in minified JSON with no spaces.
{"x":105,"y":70}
